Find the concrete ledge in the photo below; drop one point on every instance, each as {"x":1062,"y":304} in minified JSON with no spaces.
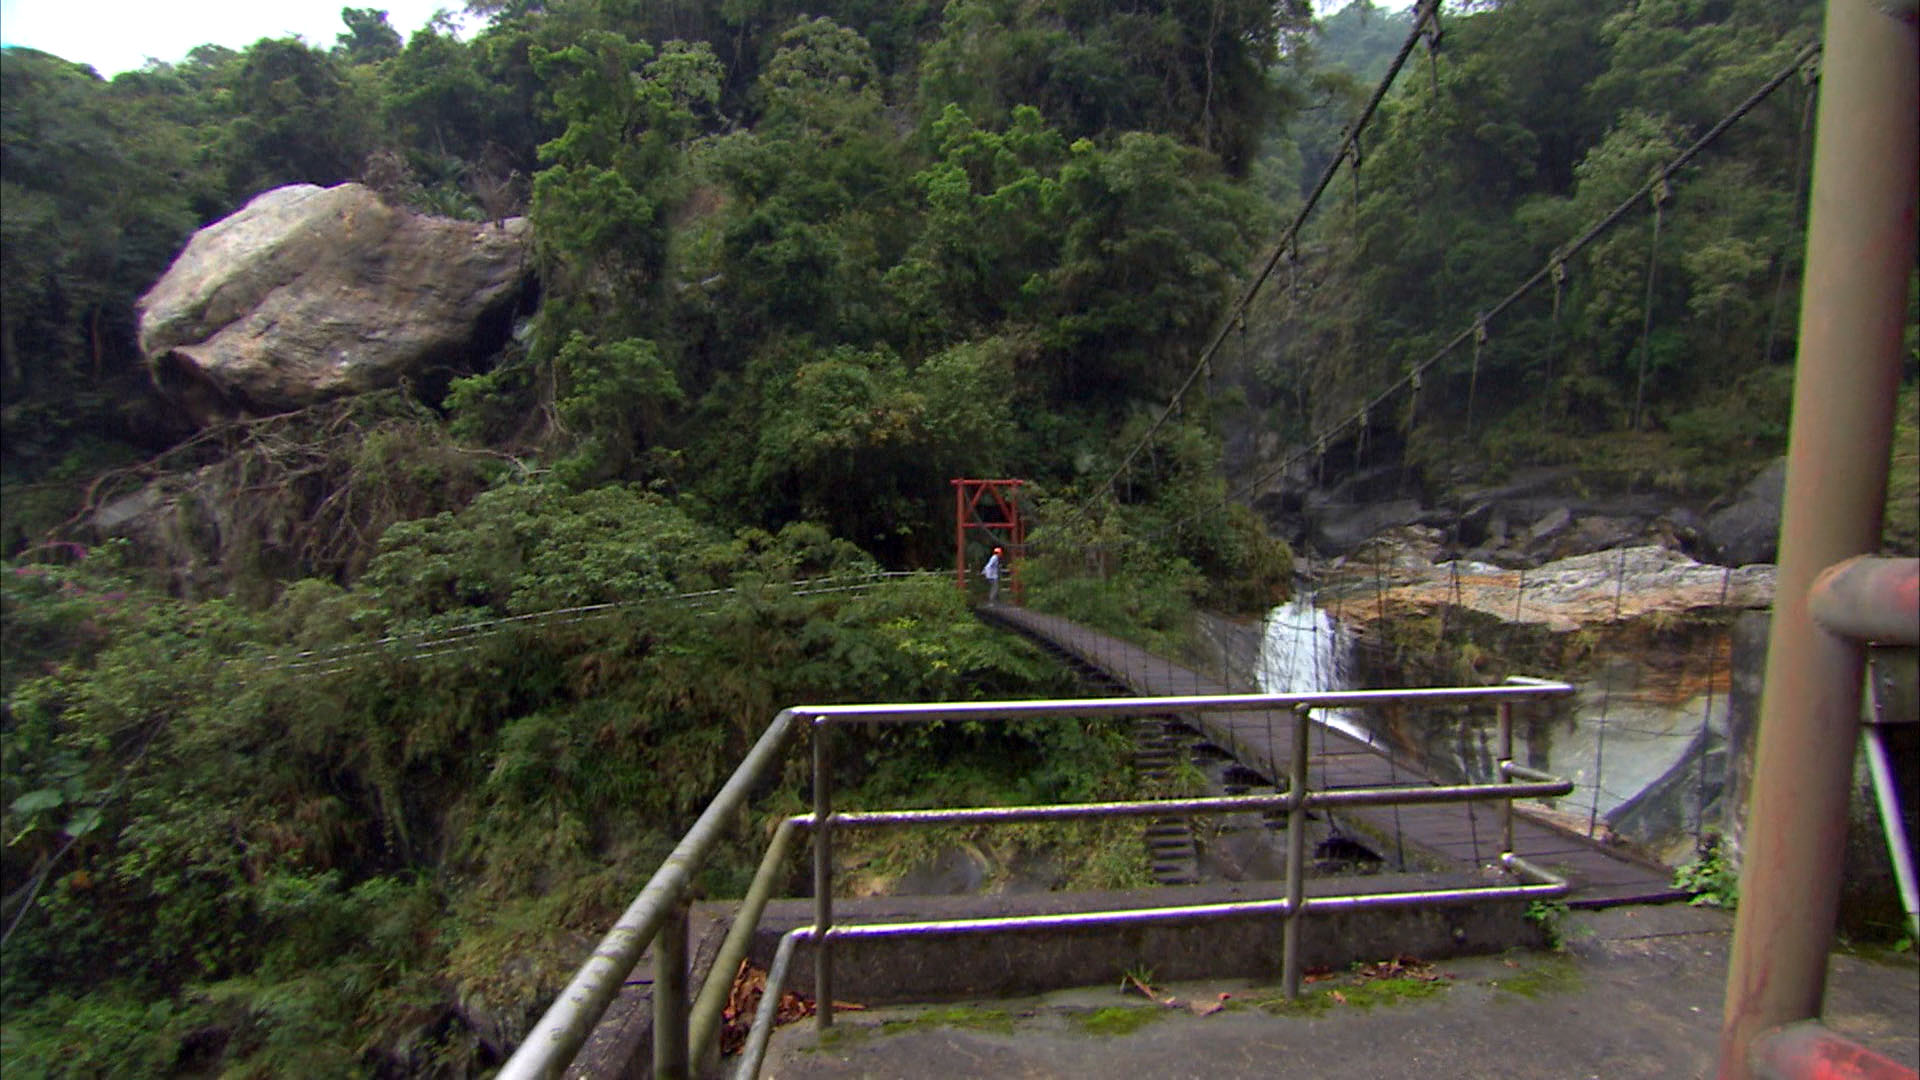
{"x":621,"y":1044}
{"x":948,"y":967}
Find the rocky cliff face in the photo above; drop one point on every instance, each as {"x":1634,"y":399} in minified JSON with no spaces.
{"x":1643,"y":633}
{"x":309,"y":293}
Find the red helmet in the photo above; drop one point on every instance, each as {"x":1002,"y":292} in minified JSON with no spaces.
{"x":996,"y":551}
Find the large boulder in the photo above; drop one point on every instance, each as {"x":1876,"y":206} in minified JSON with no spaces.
{"x":309,"y":293}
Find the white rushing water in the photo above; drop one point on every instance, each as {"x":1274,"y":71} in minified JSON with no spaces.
{"x":1305,"y":651}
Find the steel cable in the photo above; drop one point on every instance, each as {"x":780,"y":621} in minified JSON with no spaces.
{"x":1289,"y":239}
{"x":1318,"y":443}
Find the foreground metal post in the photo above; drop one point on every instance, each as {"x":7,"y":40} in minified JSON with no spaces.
{"x":1296,"y":854}
{"x":822,"y":874}
{"x":1860,"y":251}
{"x":670,"y":996}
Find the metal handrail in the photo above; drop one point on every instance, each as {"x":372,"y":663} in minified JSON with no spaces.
{"x":564,"y":1028}
{"x":1297,"y":800}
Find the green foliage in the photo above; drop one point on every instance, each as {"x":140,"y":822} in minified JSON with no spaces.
{"x":298,"y":118}
{"x":99,"y":184}
{"x":612,"y":401}
{"x":1902,"y":534}
{"x":1535,"y":123}
{"x":108,"y":1032}
{"x":367,"y":39}
{"x":533,"y":546}
{"x":1709,"y":877}
{"x":1551,"y":917}
{"x":309,"y":859}
{"x":1194,"y":72}
{"x":1115,"y":1020}
{"x":626,"y":109}
{"x":1747,"y":418}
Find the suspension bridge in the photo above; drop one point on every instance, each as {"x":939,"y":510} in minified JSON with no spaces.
{"x":1461,"y":838}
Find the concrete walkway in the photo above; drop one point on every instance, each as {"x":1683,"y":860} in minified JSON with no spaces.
{"x":1635,"y":992}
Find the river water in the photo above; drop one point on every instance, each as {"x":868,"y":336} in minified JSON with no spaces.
{"x":1634,"y":750}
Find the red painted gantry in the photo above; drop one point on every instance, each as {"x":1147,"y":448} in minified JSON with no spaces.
{"x":973,"y":501}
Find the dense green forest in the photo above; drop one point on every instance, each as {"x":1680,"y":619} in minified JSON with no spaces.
{"x":798,"y":266}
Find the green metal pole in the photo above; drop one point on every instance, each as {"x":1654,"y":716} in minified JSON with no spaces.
{"x":670,"y":996}
{"x":712,"y":1000}
{"x":1860,"y":249}
{"x":822,"y":874}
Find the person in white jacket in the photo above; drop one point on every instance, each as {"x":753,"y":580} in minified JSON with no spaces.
{"x":992,"y":574}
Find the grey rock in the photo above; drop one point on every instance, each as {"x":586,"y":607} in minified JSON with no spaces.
{"x":1340,"y":528}
{"x":109,"y":518}
{"x":310,"y":293}
{"x":1552,"y":524}
{"x":1747,"y":530}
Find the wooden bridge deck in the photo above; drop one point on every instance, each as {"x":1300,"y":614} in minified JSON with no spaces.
{"x":1457,"y":836}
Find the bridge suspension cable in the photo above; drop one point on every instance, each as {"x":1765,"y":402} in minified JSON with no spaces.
{"x":1426,"y":16}
{"x":1661,"y":179}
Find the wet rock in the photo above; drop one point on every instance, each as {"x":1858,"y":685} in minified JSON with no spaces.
{"x":961,"y":870}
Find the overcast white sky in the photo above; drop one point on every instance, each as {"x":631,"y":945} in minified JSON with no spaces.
{"x":119,"y":35}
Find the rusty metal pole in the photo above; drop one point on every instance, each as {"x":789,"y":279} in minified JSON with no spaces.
{"x":1860,"y":249}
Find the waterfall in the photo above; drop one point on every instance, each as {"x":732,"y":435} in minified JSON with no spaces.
{"x":1303,"y":651}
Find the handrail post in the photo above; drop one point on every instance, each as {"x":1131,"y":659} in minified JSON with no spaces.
{"x":1296,"y":853}
{"x":822,"y":874}
{"x":670,"y":996}
{"x":1506,"y":776}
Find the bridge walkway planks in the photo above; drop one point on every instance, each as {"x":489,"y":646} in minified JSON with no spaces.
{"x":1457,"y":837}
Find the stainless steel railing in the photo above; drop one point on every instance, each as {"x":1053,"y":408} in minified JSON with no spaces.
{"x":681,"y":1037}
